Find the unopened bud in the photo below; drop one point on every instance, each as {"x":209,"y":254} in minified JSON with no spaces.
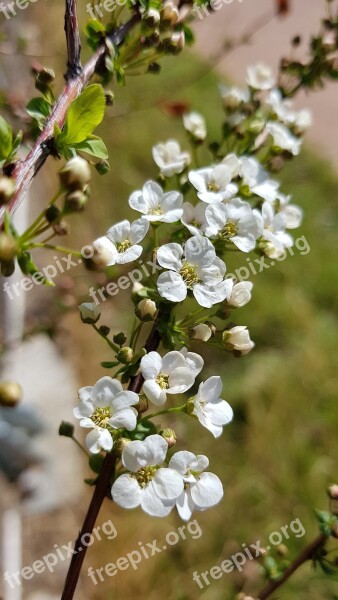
{"x":177,"y":42}
{"x":90,"y":312}
{"x":66,"y":429}
{"x":169,"y":13}
{"x":333,"y":495}
{"x":75,"y":201}
{"x":120,"y":338}
{"x":102,"y":167}
{"x":282,"y":550}
{"x":52,"y":213}
{"x":104,"y":330}
{"x":201,"y":332}
{"x":109,"y":97}
{"x":61,"y":228}
{"x":75,"y":175}
{"x":170,"y":437}
{"x":152,"y":17}
{"x":125,"y":355}
{"x":146,"y":310}
{"x":46,"y":76}
{"x":8,"y":248}
{"x":10,"y":393}
{"x":7,"y":268}
{"x":6,"y":189}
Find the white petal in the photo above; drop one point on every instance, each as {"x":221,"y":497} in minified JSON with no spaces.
{"x":123,"y":400}
{"x":126,"y":491}
{"x":119,"y":232}
{"x":180,"y":380}
{"x":105,"y":390}
{"x":154,"y":393}
{"x":129,"y":255}
{"x":171,"y":286}
{"x":106,"y":249}
{"x":185,"y":506}
{"x":168,"y":484}
{"x":211,"y":389}
{"x":85,"y":393}
{"x":207,"y":492}
{"x":171,"y":201}
{"x":219,"y":412}
{"x":99,"y":439}
{"x":195,"y":362}
{"x":171,"y":361}
{"x":152,"y":504}
{"x":138,"y":230}
{"x":169,"y":256}
{"x":151,"y":365}
{"x":182,"y":460}
{"x":124,"y":419}
{"x":207,"y":295}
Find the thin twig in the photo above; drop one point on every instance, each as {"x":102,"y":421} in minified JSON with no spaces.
{"x":101,"y":490}
{"x":25,"y":171}
{"x":74,"y":68}
{"x":307,"y":554}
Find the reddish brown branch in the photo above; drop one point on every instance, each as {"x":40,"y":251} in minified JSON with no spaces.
{"x":307,"y":554}
{"x":101,"y":490}
{"x":25,"y":171}
{"x":73,"y":41}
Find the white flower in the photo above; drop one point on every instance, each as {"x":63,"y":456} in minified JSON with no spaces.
{"x":238,"y":338}
{"x":211,"y":411}
{"x":194,"y":122}
{"x":201,"y":490}
{"x":260,"y":77}
{"x":121,"y":245}
{"x":175,"y":373}
{"x":169,"y":158}
{"x":234,"y":222}
{"x":301,"y":121}
{"x":156,"y":205}
{"x":193,"y":218}
{"x":241,"y":294}
{"x":234,"y":96}
{"x":283,"y":138}
{"x":196,"y":268}
{"x":105,"y":406}
{"x":256,"y":179}
{"x":273,"y":226}
{"x":213,"y":184}
{"x":148,"y":485}
{"x":233,"y":163}
{"x":292,"y":212}
{"x":278,"y":105}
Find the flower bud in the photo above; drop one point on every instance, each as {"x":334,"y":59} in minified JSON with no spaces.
{"x":104,"y":330}
{"x":146,"y":310}
{"x":125,"y":355}
{"x":176,"y":43}
{"x":46,"y":76}
{"x":237,"y":339}
{"x":169,"y":13}
{"x":8,"y":268}
{"x":333,"y":491}
{"x":90,"y":312}
{"x":8,"y":248}
{"x":6,"y":189}
{"x":109,"y":97}
{"x":240,"y":294}
{"x":194,"y":123}
{"x":75,"y":175}
{"x":102,"y":167}
{"x":66,"y":429}
{"x":170,"y":437}
{"x":75,"y":201}
{"x":61,"y":228}
{"x":120,"y":338}
{"x":52,"y":213}
{"x":152,"y":17}
{"x":201,"y":332}
{"x":10,"y":393}
{"x":333,"y":495}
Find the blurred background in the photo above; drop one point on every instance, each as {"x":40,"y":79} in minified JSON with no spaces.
{"x":279,"y":454}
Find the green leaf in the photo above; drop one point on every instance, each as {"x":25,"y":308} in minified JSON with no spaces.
{"x":95,"y":462}
{"x":93,"y":145}
{"x":84,"y":115}
{"x":109,"y":365}
{"x":28,"y":267}
{"x":39,"y":109}
{"x":6,"y":138}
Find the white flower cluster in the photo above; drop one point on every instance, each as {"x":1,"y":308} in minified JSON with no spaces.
{"x":232,"y":204}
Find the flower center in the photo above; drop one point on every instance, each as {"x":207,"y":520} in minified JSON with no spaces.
{"x":196,"y":224}
{"x":156,"y":211}
{"x":189,"y":275}
{"x":213,"y":186}
{"x":145,"y":475}
{"x":101,"y":417}
{"x":163,"y":381}
{"x":123,"y":246}
{"x":229,"y":230}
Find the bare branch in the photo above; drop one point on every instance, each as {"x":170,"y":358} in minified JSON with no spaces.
{"x":74,"y":68}
{"x":307,"y":554}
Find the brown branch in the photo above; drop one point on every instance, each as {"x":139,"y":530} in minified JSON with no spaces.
{"x":307,"y":554}
{"x":73,"y":41}
{"x":25,"y":171}
{"x":101,"y":490}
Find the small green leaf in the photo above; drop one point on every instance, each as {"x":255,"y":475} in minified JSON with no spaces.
{"x":109,"y":365}
{"x":6,"y":139}
{"x":84,"y":115}
{"x":39,"y":109}
{"x":94,"y":146}
{"x":95,"y":462}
